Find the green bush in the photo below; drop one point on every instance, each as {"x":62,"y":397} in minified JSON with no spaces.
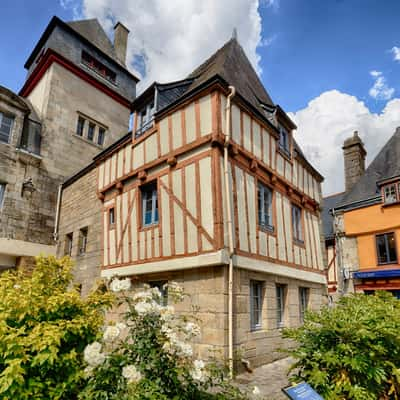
{"x":351,"y":350}
{"x":44,"y":327}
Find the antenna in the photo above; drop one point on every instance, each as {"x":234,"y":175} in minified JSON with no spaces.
{"x":234,"y":33}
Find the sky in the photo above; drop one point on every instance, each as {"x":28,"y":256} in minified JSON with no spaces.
{"x":333,"y":65}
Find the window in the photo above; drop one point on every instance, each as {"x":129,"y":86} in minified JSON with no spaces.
{"x":68,"y":244}
{"x":98,"y":67}
{"x":31,"y":136}
{"x":111,"y":216}
{"x":386,"y":248}
{"x":6,"y":122}
{"x":2,"y":193}
{"x":389,"y":193}
{"x":80,"y":126}
{"x":280,"y":305}
{"x":83,"y":239}
{"x":145,"y":119}
{"x":149,"y":204}
{"x":297,"y":223}
{"x":163,"y":288}
{"x":303,"y":302}
{"x":284,"y":141}
{"x":265,"y":207}
{"x":256,"y":288}
{"x":91,"y":129}
{"x":100,"y":137}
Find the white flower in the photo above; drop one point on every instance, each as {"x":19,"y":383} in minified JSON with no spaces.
{"x":175,"y":291}
{"x":198,"y":373}
{"x":192,"y":329}
{"x":147,"y":307}
{"x":121,"y":326}
{"x":93,"y":355}
{"x":118,"y":285}
{"x":111,"y":333}
{"x":167,"y":313}
{"x":142,"y":296}
{"x":16,"y":286}
{"x":131,"y":374}
{"x":184,"y":349}
{"x":255,"y":391}
{"x":199,"y":364}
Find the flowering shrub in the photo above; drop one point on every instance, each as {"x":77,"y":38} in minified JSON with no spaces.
{"x":44,"y":328}
{"x":149,"y":356}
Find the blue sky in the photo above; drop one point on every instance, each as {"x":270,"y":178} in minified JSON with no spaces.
{"x":327,"y":62}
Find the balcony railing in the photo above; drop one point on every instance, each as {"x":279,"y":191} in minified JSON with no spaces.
{"x":31,"y":137}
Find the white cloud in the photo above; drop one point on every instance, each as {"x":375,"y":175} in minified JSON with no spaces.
{"x":380,"y":89}
{"x":168,"y":39}
{"x":331,"y":118}
{"x":396,"y":53}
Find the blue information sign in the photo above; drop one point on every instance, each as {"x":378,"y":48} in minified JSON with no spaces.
{"x":302,"y":391}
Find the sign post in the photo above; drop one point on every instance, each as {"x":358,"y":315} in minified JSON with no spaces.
{"x":301,"y":391}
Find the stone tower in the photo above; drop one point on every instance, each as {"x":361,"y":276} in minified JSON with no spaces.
{"x":354,"y":160}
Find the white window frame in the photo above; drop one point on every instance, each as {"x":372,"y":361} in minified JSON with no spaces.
{"x":256,"y":304}
{"x":390,"y":193}
{"x":145,"y":192}
{"x":11,"y":126}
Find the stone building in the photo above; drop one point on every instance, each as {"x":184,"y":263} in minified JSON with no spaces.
{"x":211,"y":190}
{"x":74,"y":103}
{"x":362,"y":224}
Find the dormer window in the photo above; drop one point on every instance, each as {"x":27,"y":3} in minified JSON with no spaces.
{"x":284,"y":140}
{"x":391,"y":193}
{"x":98,"y":67}
{"x":145,"y":119}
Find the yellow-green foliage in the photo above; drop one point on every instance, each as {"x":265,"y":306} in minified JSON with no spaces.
{"x":44,"y":327}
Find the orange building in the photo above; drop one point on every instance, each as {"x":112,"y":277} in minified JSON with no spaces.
{"x":368,"y":217}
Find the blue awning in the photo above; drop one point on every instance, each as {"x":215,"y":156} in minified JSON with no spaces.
{"x":386,"y":273}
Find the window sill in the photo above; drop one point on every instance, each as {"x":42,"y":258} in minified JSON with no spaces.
{"x":299,"y":242}
{"x":394,"y":203}
{"x":267,"y":228}
{"x":388,"y":263}
{"x":88,"y":141}
{"x":149,"y":226}
{"x":285,"y":154}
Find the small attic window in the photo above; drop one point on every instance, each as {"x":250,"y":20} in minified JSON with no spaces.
{"x":284,"y":140}
{"x":145,"y":118}
{"x":391,"y":193}
{"x":98,"y":67}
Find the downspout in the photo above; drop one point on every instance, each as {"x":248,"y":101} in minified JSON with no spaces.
{"x":55,"y":233}
{"x":229,"y":226}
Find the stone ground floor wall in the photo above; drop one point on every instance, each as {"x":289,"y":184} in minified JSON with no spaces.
{"x":207,"y":300}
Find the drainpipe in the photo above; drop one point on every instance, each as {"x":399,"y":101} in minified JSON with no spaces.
{"x":55,"y":233}
{"x":229,"y":223}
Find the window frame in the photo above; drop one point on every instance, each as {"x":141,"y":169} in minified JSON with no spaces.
{"x":103,"y":136}
{"x":68,"y":245}
{"x":111,"y":217}
{"x":256,"y":292}
{"x":262,"y":189}
{"x":280,"y":305}
{"x":155,"y":215}
{"x":91,"y":131}
{"x":3,"y":188}
{"x":286,"y":150}
{"x":83,"y":240}
{"x":79,"y":132}
{"x":385,"y":234}
{"x":12,"y":118}
{"x":297,"y":226}
{"x":396,"y":186}
{"x":303,"y":306}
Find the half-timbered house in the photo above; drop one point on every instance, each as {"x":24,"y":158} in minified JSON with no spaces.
{"x":210,"y":189}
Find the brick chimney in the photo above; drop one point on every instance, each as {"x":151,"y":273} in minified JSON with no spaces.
{"x":354,"y":160}
{"x":120,"y":41}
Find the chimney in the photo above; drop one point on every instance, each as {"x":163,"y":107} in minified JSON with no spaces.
{"x":354,"y":160}
{"x":120,"y":41}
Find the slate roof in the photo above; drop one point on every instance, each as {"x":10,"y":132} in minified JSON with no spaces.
{"x":385,"y":165}
{"x":328,"y":203}
{"x":94,"y":32}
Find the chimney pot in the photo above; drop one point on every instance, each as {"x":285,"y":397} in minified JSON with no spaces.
{"x":121,"y":33}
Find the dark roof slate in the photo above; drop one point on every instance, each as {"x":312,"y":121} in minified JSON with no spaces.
{"x":327,"y":220}
{"x":94,"y":32}
{"x":385,"y":165}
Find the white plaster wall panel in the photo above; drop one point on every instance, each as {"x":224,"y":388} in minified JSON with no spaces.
{"x":313,"y":255}
{"x":263,"y":243}
{"x":316,"y":191}
{"x":177,"y":184}
{"x":166,"y":229}
{"x":288,"y":227}
{"x":223,"y":113}
{"x":142,"y":244}
{"x":176,"y":130}
{"x":120,"y":162}
{"x":251,"y":205}
{"x":164,"y":137}
{"x":304,"y":256}
{"x":151,"y":147}
{"x":105,"y":238}
{"x":225,"y":215}
{"x":112,"y":246}
{"x":288,"y":170}
{"x":241,"y":210}
{"x":190,"y":183}
{"x":266,"y":146}
{"x":318,"y":242}
{"x":247,"y":132}
{"x":301,"y":178}
{"x":107,"y":165}
{"x":178,"y":227}
{"x":279,"y":228}
{"x":138,"y":155}
{"x":149,"y":252}
{"x":117,"y":229}
{"x":100,"y":175}
{"x":206,"y":244}
{"x":307,"y":241}
{"x":296,"y":252}
{"x":134,"y":238}
{"x":205,"y":115}
{"x":235,"y":117}
{"x":256,"y":140}
{"x":279,"y":164}
{"x":272,"y":246}
{"x":113,"y":167}
{"x":190,"y":123}
{"x":192,"y":236}
{"x":294,"y":178}
{"x":309,"y":189}
{"x":206,"y":199}
{"x":273,"y":153}
{"x":125,"y":209}
{"x":156,"y":242}
{"x":128,"y":159}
